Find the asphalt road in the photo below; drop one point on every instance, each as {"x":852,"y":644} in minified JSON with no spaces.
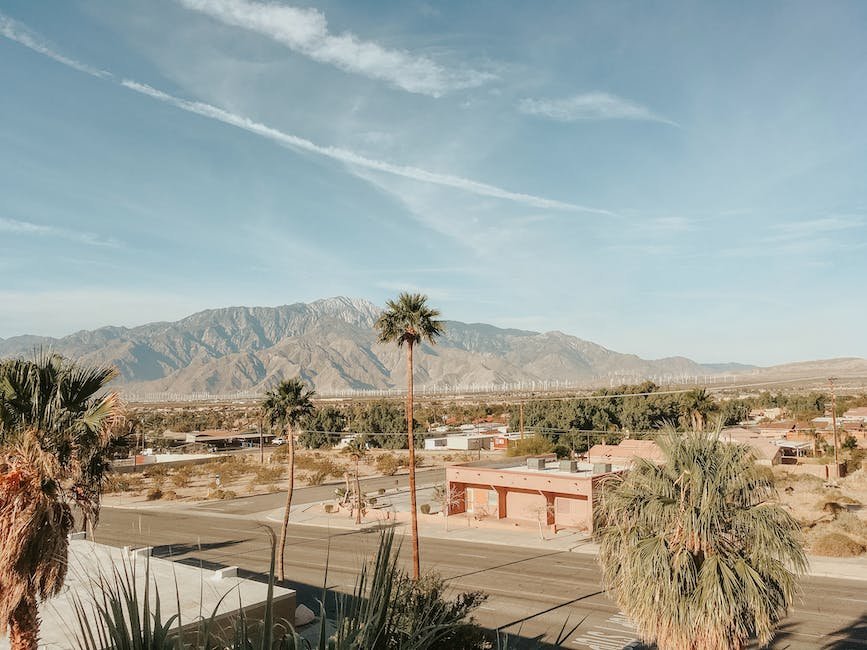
{"x":531,"y":592}
{"x":268,"y":502}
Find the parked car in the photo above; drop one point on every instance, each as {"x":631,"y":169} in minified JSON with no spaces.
{"x":279,"y":440}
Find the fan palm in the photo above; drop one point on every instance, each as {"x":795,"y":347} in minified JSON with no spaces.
{"x":694,"y":550}
{"x":408,"y":320}
{"x":697,"y":406}
{"x":55,"y":423}
{"x":285,"y":406}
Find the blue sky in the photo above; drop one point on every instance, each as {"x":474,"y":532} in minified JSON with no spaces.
{"x":661,"y":178}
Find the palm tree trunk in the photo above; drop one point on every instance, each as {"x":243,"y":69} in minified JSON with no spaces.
{"x":357,"y":493}
{"x":285,"y":528}
{"x":413,"y":513}
{"x":24,"y":625}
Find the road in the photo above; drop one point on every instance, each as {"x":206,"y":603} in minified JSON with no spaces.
{"x":267,"y":502}
{"x":531,"y":592}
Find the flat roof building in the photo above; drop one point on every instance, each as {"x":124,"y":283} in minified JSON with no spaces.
{"x":533,"y":490}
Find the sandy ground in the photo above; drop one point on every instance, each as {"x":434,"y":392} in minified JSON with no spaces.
{"x":823,"y":508}
{"x":244,"y":474}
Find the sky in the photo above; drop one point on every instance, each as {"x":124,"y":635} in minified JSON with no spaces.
{"x":662,"y":178}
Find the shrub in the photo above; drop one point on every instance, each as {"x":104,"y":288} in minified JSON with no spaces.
{"x":154,"y":494}
{"x":123,"y":483}
{"x":425,"y":508}
{"x":380,"y":491}
{"x":265,"y":474}
{"x":329,"y":508}
{"x":170,"y":495}
{"x":387,"y":464}
{"x":837,"y":545}
{"x":317,"y":478}
{"x":181,"y":478}
{"x":850,"y":443}
{"x":223,"y":494}
{"x":562,"y":451}
{"x":531,"y":446}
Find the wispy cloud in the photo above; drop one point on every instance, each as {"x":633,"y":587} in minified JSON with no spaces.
{"x":823,"y":235}
{"x":305,"y":31}
{"x":346,"y":156}
{"x":590,"y":106}
{"x":15,"y":31}
{"x":15,"y":226}
{"x":350,"y":157}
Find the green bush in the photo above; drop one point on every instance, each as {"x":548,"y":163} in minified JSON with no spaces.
{"x":154,"y":494}
{"x":425,"y":508}
{"x":387,"y":464}
{"x":531,"y":446}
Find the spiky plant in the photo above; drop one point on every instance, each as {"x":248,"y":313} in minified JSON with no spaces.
{"x":55,"y":423}
{"x":695,"y":550}
{"x":285,"y":406}
{"x":408,"y":320}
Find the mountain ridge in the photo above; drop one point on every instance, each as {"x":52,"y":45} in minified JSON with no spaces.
{"x":331,"y":343}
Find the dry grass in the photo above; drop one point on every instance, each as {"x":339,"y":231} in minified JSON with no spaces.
{"x":836,"y":545}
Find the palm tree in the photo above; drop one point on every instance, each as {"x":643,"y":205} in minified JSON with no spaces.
{"x":356,"y":449}
{"x":698,"y":405}
{"x":285,"y":406}
{"x":408,"y":320}
{"x":55,"y":430}
{"x":695,"y":550}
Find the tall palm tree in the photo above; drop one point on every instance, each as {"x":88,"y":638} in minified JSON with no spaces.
{"x":285,"y":406}
{"x":356,"y":449}
{"x":695,"y":550}
{"x":698,"y":405}
{"x":56,"y":420}
{"x":408,"y":320}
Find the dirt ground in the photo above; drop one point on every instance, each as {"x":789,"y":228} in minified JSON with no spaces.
{"x":831,"y":514}
{"x":244,"y":474}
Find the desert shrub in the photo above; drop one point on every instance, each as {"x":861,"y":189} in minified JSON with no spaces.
{"x":850,"y":443}
{"x":831,"y":507}
{"x":319,"y":464}
{"x":425,"y":508}
{"x":156,"y":470}
{"x":266,"y":474}
{"x":317,"y":478}
{"x":170,"y":495}
{"x":154,"y":494}
{"x":420,"y":460}
{"x":181,"y":478}
{"x":387,"y":464}
{"x":123,"y":483}
{"x":380,"y":491}
{"x":531,"y":446}
{"x":447,"y":458}
{"x":371,"y":501}
{"x":837,"y":545}
{"x":223,"y":494}
{"x":329,"y":508}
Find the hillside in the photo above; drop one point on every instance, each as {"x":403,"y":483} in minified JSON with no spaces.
{"x":332,"y":344}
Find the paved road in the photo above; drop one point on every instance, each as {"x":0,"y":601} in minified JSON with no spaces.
{"x":268,"y":502}
{"x":532,"y":592}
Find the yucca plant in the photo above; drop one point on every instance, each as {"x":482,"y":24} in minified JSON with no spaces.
{"x":695,"y":550}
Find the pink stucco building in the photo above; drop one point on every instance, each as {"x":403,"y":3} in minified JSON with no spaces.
{"x":533,"y":490}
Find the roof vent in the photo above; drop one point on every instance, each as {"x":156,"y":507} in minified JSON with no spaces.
{"x":536,"y":463}
{"x":601,"y":468}
{"x":568,"y":465}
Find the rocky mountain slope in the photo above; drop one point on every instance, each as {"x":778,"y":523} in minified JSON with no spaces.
{"x":332,"y":344}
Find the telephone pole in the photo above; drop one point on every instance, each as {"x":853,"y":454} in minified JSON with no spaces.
{"x":834,"y":426}
{"x":521,"y":417}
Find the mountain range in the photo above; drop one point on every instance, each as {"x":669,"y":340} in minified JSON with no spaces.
{"x":332,"y":344}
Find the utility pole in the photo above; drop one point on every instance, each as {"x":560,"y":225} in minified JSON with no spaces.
{"x":261,"y":444}
{"x":834,"y":426}
{"x":521,"y":412}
